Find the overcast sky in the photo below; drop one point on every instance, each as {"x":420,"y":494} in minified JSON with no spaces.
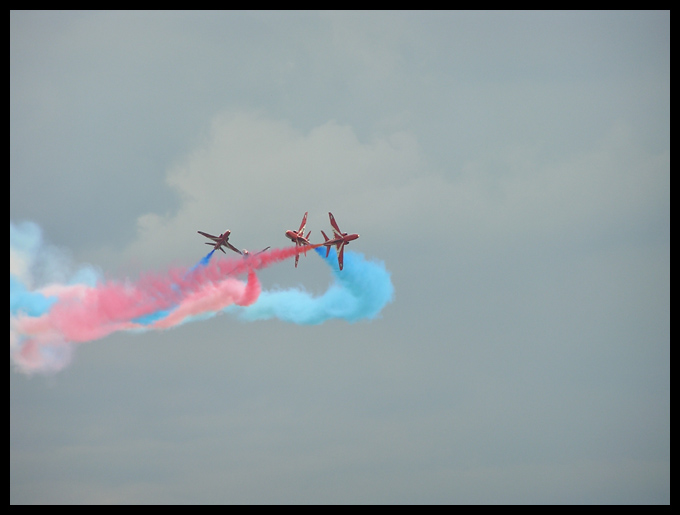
{"x":512,"y":170}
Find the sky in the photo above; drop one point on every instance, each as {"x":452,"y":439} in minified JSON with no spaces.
{"x":511,"y":170}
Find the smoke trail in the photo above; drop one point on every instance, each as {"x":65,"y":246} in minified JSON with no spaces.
{"x":47,"y":321}
{"x":360,"y":291}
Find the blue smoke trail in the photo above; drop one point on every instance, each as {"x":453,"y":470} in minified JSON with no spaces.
{"x":22,"y":300}
{"x":204,"y":261}
{"x":360,"y":291}
{"x":24,"y":240}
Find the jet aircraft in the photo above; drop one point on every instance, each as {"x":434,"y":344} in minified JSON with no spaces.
{"x":340,"y":240}
{"x":247,"y":253}
{"x":298,"y":237}
{"x":219,"y":241}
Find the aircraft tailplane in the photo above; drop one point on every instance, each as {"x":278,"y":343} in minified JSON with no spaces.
{"x":328,"y":247}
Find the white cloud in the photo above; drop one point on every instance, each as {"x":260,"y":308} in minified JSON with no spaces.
{"x":257,"y":175}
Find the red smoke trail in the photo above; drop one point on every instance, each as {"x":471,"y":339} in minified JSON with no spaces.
{"x":225,"y":267}
{"x":84,"y":313}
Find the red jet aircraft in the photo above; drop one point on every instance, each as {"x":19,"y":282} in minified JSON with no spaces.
{"x":222,"y":239}
{"x":341,"y":239}
{"x":299,"y":237}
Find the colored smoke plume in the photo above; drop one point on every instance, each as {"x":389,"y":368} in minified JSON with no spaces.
{"x":52,"y":310}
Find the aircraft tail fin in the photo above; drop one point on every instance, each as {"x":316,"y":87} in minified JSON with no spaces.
{"x":328,"y":247}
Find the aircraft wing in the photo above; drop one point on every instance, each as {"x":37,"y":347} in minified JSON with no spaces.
{"x":341,"y":254}
{"x":232,"y":248}
{"x":336,"y":229}
{"x":213,"y":238}
{"x":301,"y":230}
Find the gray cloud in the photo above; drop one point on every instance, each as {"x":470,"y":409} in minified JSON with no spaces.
{"x":513,"y":172}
